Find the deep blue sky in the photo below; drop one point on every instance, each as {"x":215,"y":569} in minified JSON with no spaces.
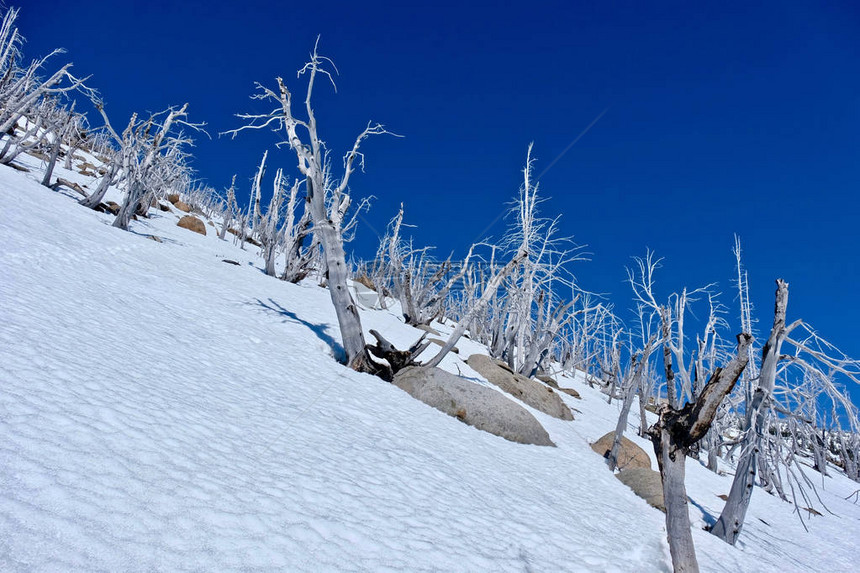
{"x":722,"y":118}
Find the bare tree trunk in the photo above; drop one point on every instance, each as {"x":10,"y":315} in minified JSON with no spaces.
{"x":731,"y":520}
{"x":99,"y":194}
{"x":673,"y":435}
{"x":335,"y":258}
{"x":665,"y":326}
{"x":643,"y":420}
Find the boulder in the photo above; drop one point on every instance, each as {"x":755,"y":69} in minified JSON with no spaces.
{"x":182,"y":206}
{"x":192,"y":224}
{"x":645,"y":483}
{"x":629,"y":454}
{"x":109,"y":207}
{"x":534,"y":393}
{"x":173,"y":197}
{"x":163,"y":207}
{"x":365,"y":280}
{"x":473,"y":404}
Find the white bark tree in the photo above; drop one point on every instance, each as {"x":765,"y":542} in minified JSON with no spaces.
{"x":328,"y":205}
{"x":804,"y":377}
{"x":21,"y":88}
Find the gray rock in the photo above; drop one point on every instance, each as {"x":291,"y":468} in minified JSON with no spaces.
{"x":645,"y":483}
{"x":629,"y":454}
{"x":536,"y":394}
{"x":473,"y":404}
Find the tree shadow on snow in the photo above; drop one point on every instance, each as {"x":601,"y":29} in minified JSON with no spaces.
{"x":320,"y":330}
{"x":709,"y":518}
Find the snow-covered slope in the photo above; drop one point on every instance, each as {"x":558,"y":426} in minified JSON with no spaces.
{"x":162,"y":410}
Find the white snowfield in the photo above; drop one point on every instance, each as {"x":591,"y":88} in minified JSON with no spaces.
{"x":161,"y":410}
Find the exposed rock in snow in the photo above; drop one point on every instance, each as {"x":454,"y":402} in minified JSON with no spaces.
{"x":534,"y":393}
{"x":192,"y":223}
{"x":473,"y":404}
{"x":629,"y":454}
{"x":646,"y":483}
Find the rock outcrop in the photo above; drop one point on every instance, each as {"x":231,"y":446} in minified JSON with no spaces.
{"x":473,"y":404}
{"x":536,"y":394}
{"x":629,"y":454}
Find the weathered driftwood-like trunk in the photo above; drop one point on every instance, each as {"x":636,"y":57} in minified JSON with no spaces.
{"x":731,"y":520}
{"x":106,"y":181}
{"x":335,"y":258}
{"x":673,"y":435}
{"x":328,"y":201}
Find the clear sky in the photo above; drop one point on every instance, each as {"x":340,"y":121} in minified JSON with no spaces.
{"x":721,"y":118}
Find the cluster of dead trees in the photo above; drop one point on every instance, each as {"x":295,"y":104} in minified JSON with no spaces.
{"x":148,"y":160}
{"x":774,"y":410}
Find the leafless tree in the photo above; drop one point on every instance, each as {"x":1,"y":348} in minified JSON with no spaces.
{"x":790,"y":385}
{"x":328,"y":204}
{"x":676,"y":431}
{"x":22,"y":87}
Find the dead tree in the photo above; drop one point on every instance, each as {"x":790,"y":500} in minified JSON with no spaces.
{"x":731,"y":520}
{"x":328,"y":205}
{"x":21,"y":88}
{"x":805,"y":376}
{"x":230,"y":209}
{"x":676,"y":431}
{"x":633,"y":383}
{"x":418,"y":283}
{"x":269,"y":224}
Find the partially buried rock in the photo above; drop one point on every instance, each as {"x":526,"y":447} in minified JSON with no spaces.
{"x":192,"y":224}
{"x":109,"y":207}
{"x":182,"y":206}
{"x":473,"y":404}
{"x":629,"y":454}
{"x":534,"y":393}
{"x":645,"y":483}
{"x":550,"y":381}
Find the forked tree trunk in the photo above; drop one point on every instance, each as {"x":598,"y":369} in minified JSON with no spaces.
{"x":106,"y":181}
{"x":673,"y":435}
{"x":52,"y":161}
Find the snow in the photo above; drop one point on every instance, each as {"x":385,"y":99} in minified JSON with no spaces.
{"x":162,"y":410}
